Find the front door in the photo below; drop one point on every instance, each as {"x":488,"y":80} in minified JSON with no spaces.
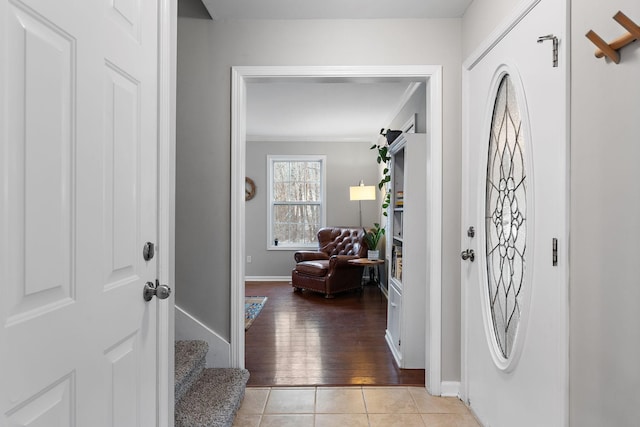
{"x":514,"y":265}
{"x":78,"y":123}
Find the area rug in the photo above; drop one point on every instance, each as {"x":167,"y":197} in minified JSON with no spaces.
{"x":252,"y":307}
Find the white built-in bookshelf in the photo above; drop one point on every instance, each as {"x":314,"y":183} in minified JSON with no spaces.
{"x":406,"y":251}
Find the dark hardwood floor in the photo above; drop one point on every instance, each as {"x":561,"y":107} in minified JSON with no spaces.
{"x":301,"y":338}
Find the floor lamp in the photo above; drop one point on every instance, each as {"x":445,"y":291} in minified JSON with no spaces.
{"x":362,"y":192}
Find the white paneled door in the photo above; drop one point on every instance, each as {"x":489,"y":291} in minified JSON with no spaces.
{"x":514,"y":259}
{"x":78,"y":89}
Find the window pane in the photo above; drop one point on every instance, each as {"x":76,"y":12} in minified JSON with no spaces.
{"x":312,"y":170}
{"x":312,"y":192}
{"x":297,"y":192}
{"x":280,"y":190}
{"x":296,"y":181}
{"x":296,"y":224}
{"x":281,"y":214}
{"x":280,"y":171}
{"x":297,"y":171}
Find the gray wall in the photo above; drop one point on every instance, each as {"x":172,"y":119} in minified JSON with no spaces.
{"x":347,"y":164}
{"x":206,"y":52}
{"x":480,"y":19}
{"x":416,"y":105}
{"x":605,"y":222}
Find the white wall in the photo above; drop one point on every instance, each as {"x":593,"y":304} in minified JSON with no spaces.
{"x":480,"y":19}
{"x":605,"y":222}
{"x":347,"y":164}
{"x":206,"y":52}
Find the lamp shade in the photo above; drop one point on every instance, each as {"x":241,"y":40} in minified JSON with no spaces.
{"x":362,"y":192}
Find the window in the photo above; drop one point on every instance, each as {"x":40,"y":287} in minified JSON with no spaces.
{"x":506,"y":216}
{"x":296,"y":201}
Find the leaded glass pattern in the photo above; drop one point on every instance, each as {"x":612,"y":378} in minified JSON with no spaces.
{"x":505,"y":219}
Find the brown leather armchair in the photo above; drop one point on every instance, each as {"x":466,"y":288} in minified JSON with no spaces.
{"x":328,"y":270}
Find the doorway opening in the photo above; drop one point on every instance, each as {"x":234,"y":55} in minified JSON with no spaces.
{"x":432,"y":77}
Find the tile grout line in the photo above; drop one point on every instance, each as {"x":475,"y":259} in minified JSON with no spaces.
{"x":264,"y":407}
{"x":366,"y":409}
{"x":315,"y":404}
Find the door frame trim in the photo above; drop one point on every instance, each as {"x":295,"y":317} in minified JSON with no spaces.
{"x":167,"y":60}
{"x":430,"y":73}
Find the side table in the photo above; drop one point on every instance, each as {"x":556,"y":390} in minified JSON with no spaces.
{"x":371,"y":263}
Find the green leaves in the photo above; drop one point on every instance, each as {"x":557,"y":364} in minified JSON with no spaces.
{"x":373,"y":236}
{"x":383,"y":156}
{"x":386,"y":203}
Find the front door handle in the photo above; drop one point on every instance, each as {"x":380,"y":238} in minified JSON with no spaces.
{"x":468,"y":254}
{"x":151,"y":289}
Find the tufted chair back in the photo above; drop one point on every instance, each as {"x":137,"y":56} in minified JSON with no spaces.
{"x":342,"y":241}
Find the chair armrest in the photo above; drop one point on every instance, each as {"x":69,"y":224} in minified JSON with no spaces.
{"x":309,"y":256}
{"x":339,"y":261}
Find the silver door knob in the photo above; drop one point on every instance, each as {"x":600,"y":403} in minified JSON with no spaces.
{"x":468,"y":254}
{"x":151,"y":289}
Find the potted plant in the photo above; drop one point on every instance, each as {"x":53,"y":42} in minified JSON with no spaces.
{"x":372,"y":239}
{"x":373,"y":236}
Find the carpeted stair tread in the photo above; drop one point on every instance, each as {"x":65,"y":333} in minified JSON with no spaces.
{"x":190,"y":357}
{"x":214,"y":399}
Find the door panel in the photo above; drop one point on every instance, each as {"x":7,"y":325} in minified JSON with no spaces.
{"x":121,"y":175}
{"x":78,"y":181}
{"x":123,"y":401}
{"x":40,"y":167}
{"x":51,"y":407}
{"x":529,"y":386}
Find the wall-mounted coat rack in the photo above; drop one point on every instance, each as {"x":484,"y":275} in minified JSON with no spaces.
{"x":610,"y":50}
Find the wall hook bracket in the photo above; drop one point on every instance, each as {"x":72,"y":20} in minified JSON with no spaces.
{"x":610,"y":50}
{"x":554,"y":39}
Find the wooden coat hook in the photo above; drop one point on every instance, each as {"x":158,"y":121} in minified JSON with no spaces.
{"x":610,"y":50}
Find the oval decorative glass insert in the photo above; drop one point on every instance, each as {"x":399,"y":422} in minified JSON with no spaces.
{"x":505,"y":216}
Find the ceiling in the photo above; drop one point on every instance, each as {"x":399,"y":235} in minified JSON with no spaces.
{"x":312,"y":110}
{"x":346,"y":111}
{"x":335,"y":9}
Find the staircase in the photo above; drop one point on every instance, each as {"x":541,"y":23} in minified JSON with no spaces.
{"x":205,"y":397}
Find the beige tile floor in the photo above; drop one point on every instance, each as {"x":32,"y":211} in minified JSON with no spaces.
{"x":351,"y":407}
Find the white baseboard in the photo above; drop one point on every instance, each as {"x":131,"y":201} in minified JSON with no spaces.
{"x":267,"y":278}
{"x":190,"y":328}
{"x":450,"y":389}
{"x":396,"y":355}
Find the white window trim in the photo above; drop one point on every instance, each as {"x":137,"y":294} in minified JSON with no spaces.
{"x":323,"y":197}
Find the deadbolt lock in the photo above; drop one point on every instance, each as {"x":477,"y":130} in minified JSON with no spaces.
{"x":148,"y":251}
